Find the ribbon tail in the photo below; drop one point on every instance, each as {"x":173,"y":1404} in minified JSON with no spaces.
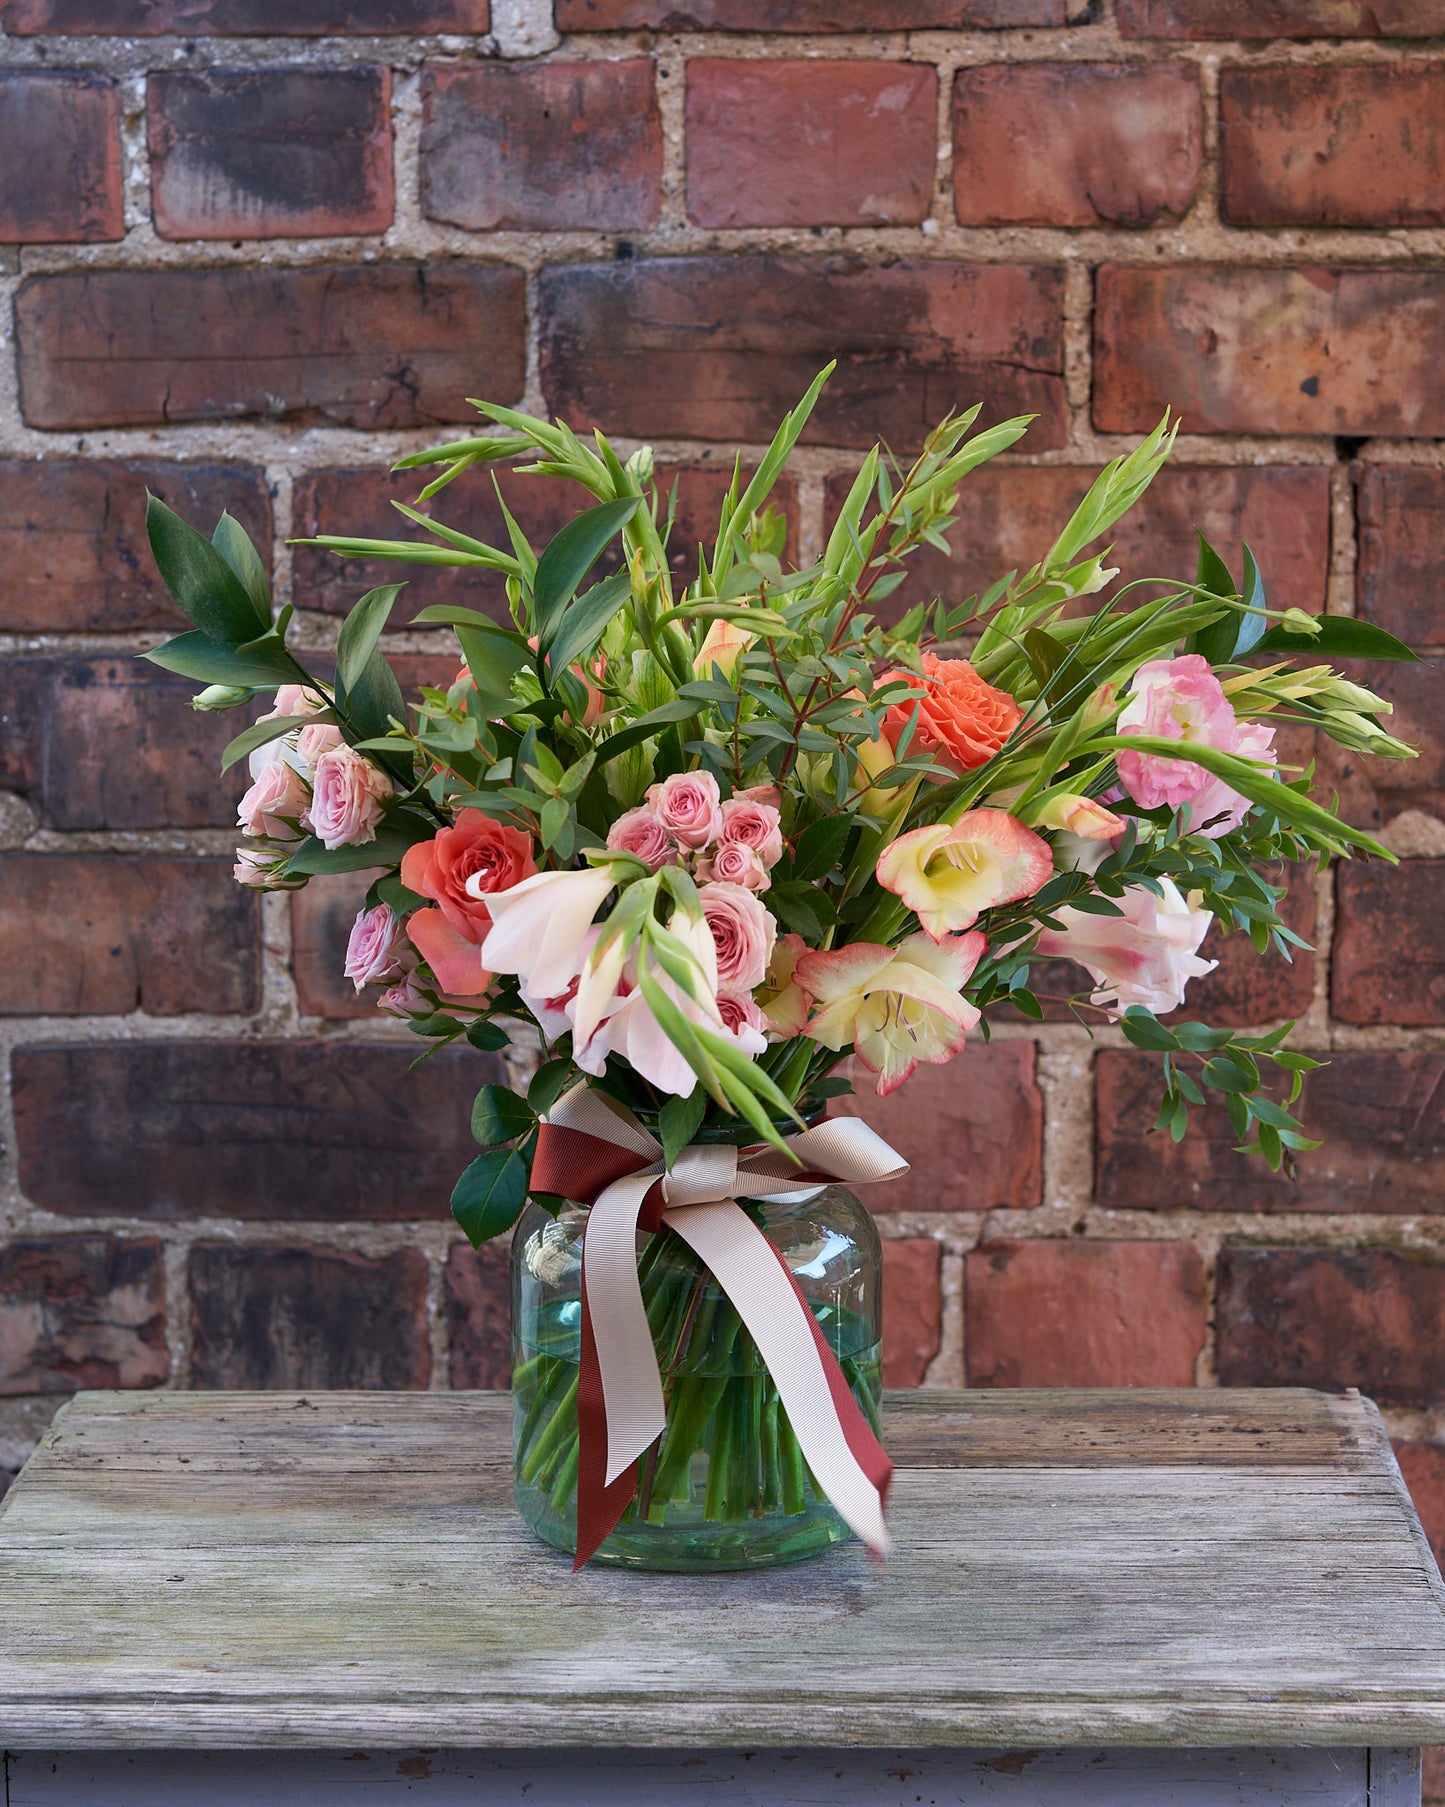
{"x":599,"y":1504}
{"x":846,"y":1459}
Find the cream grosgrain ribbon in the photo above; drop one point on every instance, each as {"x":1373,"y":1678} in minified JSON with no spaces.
{"x":592,"y":1149}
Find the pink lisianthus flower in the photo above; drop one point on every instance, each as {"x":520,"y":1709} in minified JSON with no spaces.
{"x":373,"y":947}
{"x":950,"y":873}
{"x":347,"y":794}
{"x":898,"y":1006}
{"x":783,"y":1001}
{"x":734,"y":863}
{"x":743,"y":934}
{"x":744,"y":1022}
{"x":748,"y":821}
{"x":275,"y":803}
{"x":1218,"y":809}
{"x":641,"y":833}
{"x":689,"y":806}
{"x":1146,"y":956}
{"x":1174,"y":699}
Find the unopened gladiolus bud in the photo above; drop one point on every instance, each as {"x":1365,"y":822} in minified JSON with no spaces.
{"x":722,"y":646}
{"x":1081,"y":816}
{"x":1089,"y":578}
{"x":639,"y":466}
{"x":1100,"y":707}
{"x":220,"y":696}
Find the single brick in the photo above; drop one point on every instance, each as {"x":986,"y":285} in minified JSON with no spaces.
{"x":1281,"y":18}
{"x":1373,"y":791}
{"x":62,"y":177}
{"x":806,"y":15}
{"x":810,"y":143}
{"x":270,"y":153}
{"x":1246,"y":989}
{"x":82,"y":1311}
{"x":1380,"y":1116}
{"x":1009,"y":516}
{"x":479,"y":1316}
{"x":380,"y":345}
{"x":269,"y":1317}
{"x":720,"y":347}
{"x":912,"y":1308}
{"x":553,"y":147}
{"x":305,"y":1130}
{"x":1270,"y":351}
{"x":1300,"y":1317}
{"x":1388,"y":964}
{"x":73,"y":544}
{"x":101,"y":934}
{"x":972,"y":1132}
{"x":1333,"y":147}
{"x":113,"y":742}
{"x":1402,"y":546}
{"x":1123,"y":145}
{"x":243,"y":18}
{"x":358,"y":502}
{"x":1066,"y":1313}
{"x":1423,"y":1466}
{"x":321,"y":919}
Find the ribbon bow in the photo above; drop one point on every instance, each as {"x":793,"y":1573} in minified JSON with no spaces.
{"x":594,"y":1151}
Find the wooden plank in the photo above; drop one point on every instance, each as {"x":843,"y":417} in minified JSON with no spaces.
{"x":674,"y":1778}
{"x":188,"y":1569}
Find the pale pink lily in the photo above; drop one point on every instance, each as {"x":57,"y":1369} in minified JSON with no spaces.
{"x":898,"y":1006}
{"x":950,"y":873}
{"x":631,"y":1030}
{"x":1146,"y":956}
{"x":539,"y":926}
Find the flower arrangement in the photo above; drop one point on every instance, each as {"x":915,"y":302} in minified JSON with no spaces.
{"x":707,"y":845}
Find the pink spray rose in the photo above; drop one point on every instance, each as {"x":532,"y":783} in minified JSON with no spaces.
{"x":276,"y":801}
{"x":1174,"y":699}
{"x":734,"y":863}
{"x":640,"y":832}
{"x":404,"y":999}
{"x":744,"y":1022}
{"x":371,"y":952}
{"x":312,"y":742}
{"x":753,"y":823}
{"x":294,"y":699}
{"x":743,"y":934}
{"x":258,"y":868}
{"x":1146,"y":956}
{"x":346,"y":799}
{"x":689,"y":806}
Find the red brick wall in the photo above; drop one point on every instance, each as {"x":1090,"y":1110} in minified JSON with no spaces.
{"x":256,"y":270}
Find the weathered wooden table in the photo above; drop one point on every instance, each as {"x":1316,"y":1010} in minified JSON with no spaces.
{"x":1132,"y":1598}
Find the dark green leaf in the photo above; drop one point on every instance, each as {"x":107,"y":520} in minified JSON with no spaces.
{"x":548,"y":1084}
{"x":488,"y":1199}
{"x":487,"y":1036}
{"x":400,"y":830}
{"x":359,"y":634}
{"x":1251,"y":627}
{"x":820,"y":846}
{"x":1216,"y":639}
{"x":644,"y":728}
{"x":499,"y":1115}
{"x":1144,"y":1031}
{"x":389,"y":890}
{"x":198,"y":577}
{"x":568,"y":559}
{"x":1226,"y":1075}
{"x":802,"y":908}
{"x":371,"y":704}
{"x":493,"y":661}
{"x":586,"y":620}
{"x":1340,"y":637}
{"x":678,"y":1121}
{"x":210,"y":661}
{"x":234,"y":545}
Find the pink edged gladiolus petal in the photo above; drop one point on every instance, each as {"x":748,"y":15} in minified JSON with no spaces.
{"x":539,"y":927}
{"x":456,"y":962}
{"x":950,"y":873}
{"x":898,"y":1006}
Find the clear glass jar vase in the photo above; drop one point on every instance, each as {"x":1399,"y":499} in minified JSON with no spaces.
{"x":726,"y":1486}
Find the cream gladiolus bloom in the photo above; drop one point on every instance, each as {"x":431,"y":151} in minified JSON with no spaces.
{"x":950,"y":873}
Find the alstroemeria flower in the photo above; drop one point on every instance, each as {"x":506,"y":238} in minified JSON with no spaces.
{"x":950,"y":873}
{"x":898,"y":1006}
{"x":1146,"y":956}
{"x":539,"y":927}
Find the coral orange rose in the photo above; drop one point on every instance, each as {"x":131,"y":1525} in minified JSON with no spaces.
{"x":475,"y":852}
{"x":962,"y":719}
